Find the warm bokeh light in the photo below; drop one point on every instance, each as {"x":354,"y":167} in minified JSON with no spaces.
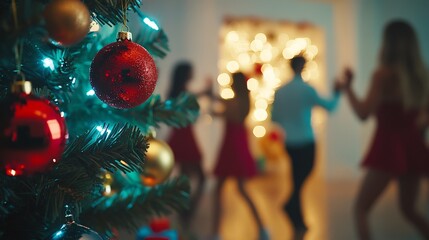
{"x":266,"y":55}
{"x":261,"y":37}
{"x":224,"y":79}
{"x":232,"y":66}
{"x":260,"y":115}
{"x":259,"y":131}
{"x":256,"y":45}
{"x":262,"y":49}
{"x":244,"y":59}
{"x":227,"y":93}
{"x":252,"y":84}
{"x":261,"y":103}
{"x":232,"y":36}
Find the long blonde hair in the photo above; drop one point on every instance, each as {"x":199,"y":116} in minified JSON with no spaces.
{"x":401,"y":52}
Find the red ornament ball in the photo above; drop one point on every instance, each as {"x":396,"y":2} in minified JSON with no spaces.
{"x":32,"y":134}
{"x":123,"y":74}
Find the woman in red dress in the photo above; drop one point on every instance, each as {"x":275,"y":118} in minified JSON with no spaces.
{"x":235,"y":160}
{"x":183,"y":143}
{"x":398,"y":97}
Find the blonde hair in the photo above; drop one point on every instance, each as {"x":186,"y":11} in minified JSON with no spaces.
{"x":401,"y":52}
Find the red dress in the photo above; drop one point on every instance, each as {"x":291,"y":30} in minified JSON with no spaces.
{"x":235,"y":159}
{"x":398,"y":146}
{"x":184,"y":146}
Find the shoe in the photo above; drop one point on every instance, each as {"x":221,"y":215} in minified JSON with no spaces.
{"x":263,"y":235}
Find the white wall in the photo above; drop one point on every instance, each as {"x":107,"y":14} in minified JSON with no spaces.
{"x":352,"y":29}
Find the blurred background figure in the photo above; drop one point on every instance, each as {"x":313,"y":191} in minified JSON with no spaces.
{"x":234,"y":159}
{"x":292,"y":107}
{"x":184,"y":144}
{"x":398,"y":97}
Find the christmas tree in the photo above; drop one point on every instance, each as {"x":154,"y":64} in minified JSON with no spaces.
{"x":48,"y":43}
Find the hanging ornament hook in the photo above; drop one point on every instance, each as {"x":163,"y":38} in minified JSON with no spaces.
{"x":124,"y":34}
{"x":18,"y":47}
{"x":69,"y":215}
{"x":15,"y":14}
{"x":125,"y":4}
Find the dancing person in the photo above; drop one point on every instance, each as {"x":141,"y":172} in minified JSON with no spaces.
{"x":182,"y":141}
{"x":235,"y":160}
{"x":292,"y":107}
{"x":398,"y":98}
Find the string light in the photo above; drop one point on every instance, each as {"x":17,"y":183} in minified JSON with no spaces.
{"x":150,"y":23}
{"x":94,"y":27}
{"x":90,"y":93}
{"x":103,"y":130}
{"x":48,"y":63}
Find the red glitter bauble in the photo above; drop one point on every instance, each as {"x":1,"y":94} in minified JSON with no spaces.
{"x":32,"y":134}
{"x":123,"y":74}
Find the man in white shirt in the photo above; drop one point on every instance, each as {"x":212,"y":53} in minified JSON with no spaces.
{"x":292,"y":110}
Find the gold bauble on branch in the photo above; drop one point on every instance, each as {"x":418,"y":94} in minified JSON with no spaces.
{"x":159,"y":163}
{"x":67,"y":21}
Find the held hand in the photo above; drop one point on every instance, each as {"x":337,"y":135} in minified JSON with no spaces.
{"x":348,"y":77}
{"x":338,"y":85}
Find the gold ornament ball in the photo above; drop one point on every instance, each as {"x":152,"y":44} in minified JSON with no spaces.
{"x":67,"y":21}
{"x":159,"y":163}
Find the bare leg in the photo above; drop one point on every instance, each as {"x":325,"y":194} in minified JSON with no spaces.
{"x":242,"y":190}
{"x":194,"y":170}
{"x":217,"y":205}
{"x":408,"y":192}
{"x":373,"y":184}
{"x":201,"y":178}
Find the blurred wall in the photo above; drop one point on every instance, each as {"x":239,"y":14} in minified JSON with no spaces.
{"x":352,"y":29}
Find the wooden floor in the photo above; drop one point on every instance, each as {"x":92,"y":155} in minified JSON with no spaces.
{"x":327,"y":209}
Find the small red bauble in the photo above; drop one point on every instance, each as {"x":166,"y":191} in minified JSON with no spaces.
{"x":123,"y":74}
{"x":159,"y":224}
{"x":32,"y":134}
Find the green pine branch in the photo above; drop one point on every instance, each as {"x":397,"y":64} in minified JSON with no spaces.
{"x":75,"y":180}
{"x":177,"y":112}
{"x":6,"y":195}
{"x":136,"y":204}
{"x":79,"y":172}
{"x":107,"y":149}
{"x":110,"y":12}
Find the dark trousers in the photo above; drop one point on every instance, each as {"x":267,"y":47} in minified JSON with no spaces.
{"x":302,"y":161}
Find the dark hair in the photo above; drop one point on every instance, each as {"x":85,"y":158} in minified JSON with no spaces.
{"x":239,"y":83}
{"x":400,"y":51}
{"x":297,"y":63}
{"x":182,"y":73}
{"x":399,"y":43}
